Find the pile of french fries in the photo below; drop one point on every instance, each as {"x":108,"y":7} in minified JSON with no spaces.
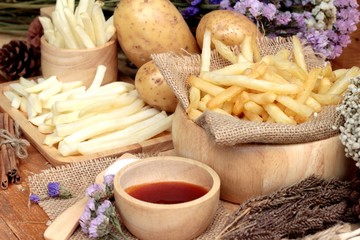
{"x":274,"y":88}
{"x":84,"y":121}
{"x":78,"y":27}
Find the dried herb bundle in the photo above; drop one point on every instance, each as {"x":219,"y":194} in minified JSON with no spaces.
{"x":310,"y":206}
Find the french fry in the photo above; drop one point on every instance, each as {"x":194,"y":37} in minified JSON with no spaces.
{"x":194,"y":97}
{"x":273,"y":77}
{"x":277,"y":114}
{"x":193,"y":113}
{"x":312,"y":103}
{"x":253,"y":107}
{"x":254,"y":84}
{"x":204,"y":86}
{"x":246,"y":48}
{"x":299,"y":53}
{"x":286,"y":65}
{"x":341,"y":84}
{"x":253,"y":116}
{"x":327,"y":99}
{"x":295,"y":106}
{"x":262,"y":98}
{"x":240,"y":101}
{"x":224,"y":51}
{"x":283,"y":54}
{"x":233,"y":69}
{"x":327,"y":72}
{"x":228,"y":107}
{"x":224,"y":96}
{"x":256,"y":50}
{"x":324,"y":85}
{"x":309,"y":85}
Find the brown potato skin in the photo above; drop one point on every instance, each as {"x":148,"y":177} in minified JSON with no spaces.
{"x":227,"y":26}
{"x":146,"y":27}
{"x":153,"y":88}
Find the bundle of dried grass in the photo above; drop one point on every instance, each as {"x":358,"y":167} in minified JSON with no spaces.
{"x":308,"y":207}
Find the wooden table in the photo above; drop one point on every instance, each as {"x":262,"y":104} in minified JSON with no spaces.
{"x":18,"y":221}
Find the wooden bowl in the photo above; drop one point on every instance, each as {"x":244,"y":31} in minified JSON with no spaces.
{"x":79,"y":64}
{"x":167,"y":221}
{"x":249,"y":170}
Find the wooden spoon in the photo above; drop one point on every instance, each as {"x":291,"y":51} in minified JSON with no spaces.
{"x":66,"y":223}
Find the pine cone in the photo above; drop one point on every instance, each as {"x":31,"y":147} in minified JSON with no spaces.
{"x":19,"y":59}
{"x":34,"y":33}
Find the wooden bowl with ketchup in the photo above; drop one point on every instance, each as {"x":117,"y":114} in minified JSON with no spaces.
{"x":167,"y":197}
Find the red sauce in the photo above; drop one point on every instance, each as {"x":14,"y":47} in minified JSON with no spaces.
{"x":166,"y":192}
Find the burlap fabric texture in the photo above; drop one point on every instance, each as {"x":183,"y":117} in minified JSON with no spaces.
{"x":77,"y":177}
{"x":229,"y":131}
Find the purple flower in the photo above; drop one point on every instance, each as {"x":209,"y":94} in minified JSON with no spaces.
{"x":283,"y":18}
{"x":85,"y":220}
{"x":269,"y":11}
{"x":109,"y":181}
{"x":214,"y":1}
{"x":195,"y":2}
{"x":225,"y":4}
{"x":190,"y":11}
{"x":34,"y":198}
{"x":256,"y":8}
{"x":240,"y":7}
{"x":53,"y":189}
{"x":91,"y":204}
{"x":99,"y":226}
{"x":106,"y":208}
{"x":299,"y":18}
{"x":96,"y":191}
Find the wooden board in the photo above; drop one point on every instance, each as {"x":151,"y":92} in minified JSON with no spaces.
{"x":157,"y":144}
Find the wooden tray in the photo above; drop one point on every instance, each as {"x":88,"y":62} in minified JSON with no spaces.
{"x":157,"y":144}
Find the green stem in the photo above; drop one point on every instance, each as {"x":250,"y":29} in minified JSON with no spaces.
{"x":116,"y":223}
{"x":23,"y":6}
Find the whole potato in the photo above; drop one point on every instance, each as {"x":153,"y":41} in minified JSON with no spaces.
{"x":145,"y":27}
{"x":227,"y":26}
{"x":153,"y":88}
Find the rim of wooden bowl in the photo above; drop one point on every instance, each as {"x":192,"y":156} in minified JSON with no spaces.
{"x":212,"y":191}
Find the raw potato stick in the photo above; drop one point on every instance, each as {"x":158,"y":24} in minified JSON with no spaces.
{"x":109,"y":125}
{"x":140,"y":136}
{"x":97,"y":17}
{"x":88,"y":26}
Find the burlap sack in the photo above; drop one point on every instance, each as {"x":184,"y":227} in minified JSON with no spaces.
{"x":229,"y":131}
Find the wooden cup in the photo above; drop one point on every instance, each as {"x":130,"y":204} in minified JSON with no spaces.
{"x":79,"y":64}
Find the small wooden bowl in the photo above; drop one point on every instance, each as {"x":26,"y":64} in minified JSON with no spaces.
{"x":167,"y":221}
{"x":249,"y":170}
{"x":79,"y":64}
